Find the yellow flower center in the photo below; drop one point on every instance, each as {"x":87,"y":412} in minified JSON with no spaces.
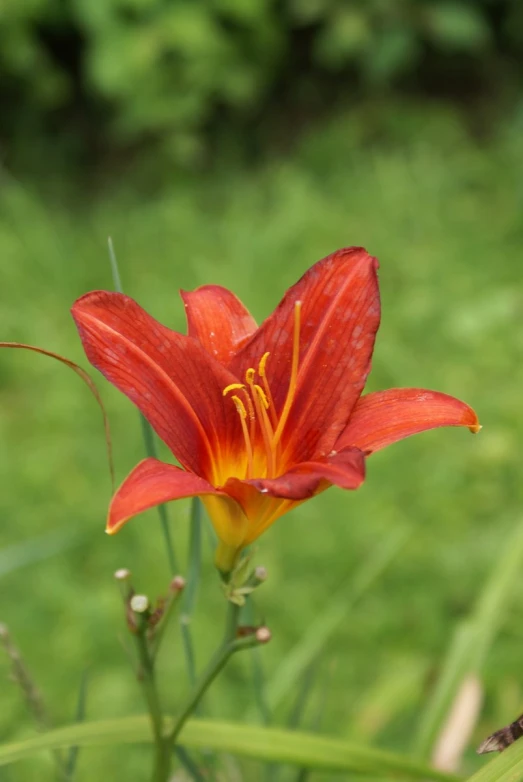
{"x":255,"y":406}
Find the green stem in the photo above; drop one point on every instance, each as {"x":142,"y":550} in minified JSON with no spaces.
{"x":162,"y":762}
{"x":230,"y":644}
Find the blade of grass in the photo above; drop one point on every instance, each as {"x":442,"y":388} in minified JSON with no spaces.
{"x":307,"y":750}
{"x":147,"y":432}
{"x":258,"y":674}
{"x":297,"y":711}
{"x":189,"y":764}
{"x":506,"y":767}
{"x":190,"y":591}
{"x":303,"y":774}
{"x":72,"y":757}
{"x":472,"y":641}
{"x":321,"y":630}
{"x":302,"y":698}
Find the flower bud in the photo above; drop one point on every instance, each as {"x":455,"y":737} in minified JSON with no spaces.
{"x":122,"y":574}
{"x":177,"y":584}
{"x":139,"y":604}
{"x":263,"y":635}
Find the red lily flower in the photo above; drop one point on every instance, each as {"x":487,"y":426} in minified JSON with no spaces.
{"x":259,"y":418}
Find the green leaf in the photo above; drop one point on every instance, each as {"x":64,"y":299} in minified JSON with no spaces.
{"x":265,"y":744}
{"x":472,"y":641}
{"x":506,"y":767}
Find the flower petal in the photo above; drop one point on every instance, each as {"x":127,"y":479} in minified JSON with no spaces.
{"x":168,"y":376}
{"x":265,"y":500}
{"x":345,"y":468}
{"x":340,"y":315}
{"x":218,"y":320}
{"x":383,"y":417}
{"x":152,"y":483}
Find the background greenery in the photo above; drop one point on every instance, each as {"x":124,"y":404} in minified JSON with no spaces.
{"x":105,"y":79}
{"x":307,"y":126}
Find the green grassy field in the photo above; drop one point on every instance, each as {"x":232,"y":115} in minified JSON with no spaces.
{"x":444,"y":217}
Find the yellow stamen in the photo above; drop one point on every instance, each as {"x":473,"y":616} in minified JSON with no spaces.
{"x":240,"y":407}
{"x":294,"y":375}
{"x":249,"y":376}
{"x":261,"y":402}
{"x":263,"y":374}
{"x":261,"y":365}
{"x":232,"y":387}
{"x":262,"y":395}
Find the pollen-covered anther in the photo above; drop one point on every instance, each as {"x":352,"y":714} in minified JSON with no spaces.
{"x":240,"y":407}
{"x":262,"y":395}
{"x":232,"y":387}
{"x":262,"y":364}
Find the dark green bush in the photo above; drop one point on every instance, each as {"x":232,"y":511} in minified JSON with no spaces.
{"x":107,"y":74}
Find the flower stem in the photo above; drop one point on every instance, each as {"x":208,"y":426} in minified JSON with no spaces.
{"x":162,"y":761}
{"x":217,"y":662}
{"x":229,"y":645}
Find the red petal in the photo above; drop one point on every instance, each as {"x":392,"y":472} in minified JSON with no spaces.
{"x":168,"y":376}
{"x":152,"y":483}
{"x":384,"y":417}
{"x":218,"y":320}
{"x":339,"y":318}
{"x":345,"y":469}
{"x":264,"y":500}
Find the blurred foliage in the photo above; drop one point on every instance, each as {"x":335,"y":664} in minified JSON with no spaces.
{"x":106,"y":76}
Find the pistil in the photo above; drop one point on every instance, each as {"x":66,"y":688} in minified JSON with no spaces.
{"x":294,"y":375}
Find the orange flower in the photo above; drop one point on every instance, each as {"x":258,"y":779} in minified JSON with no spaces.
{"x":259,"y":418}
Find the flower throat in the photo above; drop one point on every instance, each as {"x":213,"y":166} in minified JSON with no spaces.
{"x":255,"y":406}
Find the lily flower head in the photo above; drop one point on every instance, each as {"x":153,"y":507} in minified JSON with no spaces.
{"x":259,"y":419}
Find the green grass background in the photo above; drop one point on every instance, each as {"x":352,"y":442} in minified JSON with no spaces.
{"x":444,"y":216}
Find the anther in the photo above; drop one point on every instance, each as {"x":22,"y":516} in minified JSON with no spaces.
{"x":263,"y":396}
{"x":232,"y":387}
{"x":249,"y":376}
{"x":240,"y":407}
{"x":263,"y":362}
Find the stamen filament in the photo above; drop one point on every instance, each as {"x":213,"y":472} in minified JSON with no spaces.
{"x":262,"y":373}
{"x":294,"y":375}
{"x":242,"y":412}
{"x":261,"y":402}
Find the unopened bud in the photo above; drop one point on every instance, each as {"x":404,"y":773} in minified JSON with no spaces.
{"x":177,"y":584}
{"x":122,"y":574}
{"x":139,"y":603}
{"x":263,"y":635}
{"x":260,"y":573}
